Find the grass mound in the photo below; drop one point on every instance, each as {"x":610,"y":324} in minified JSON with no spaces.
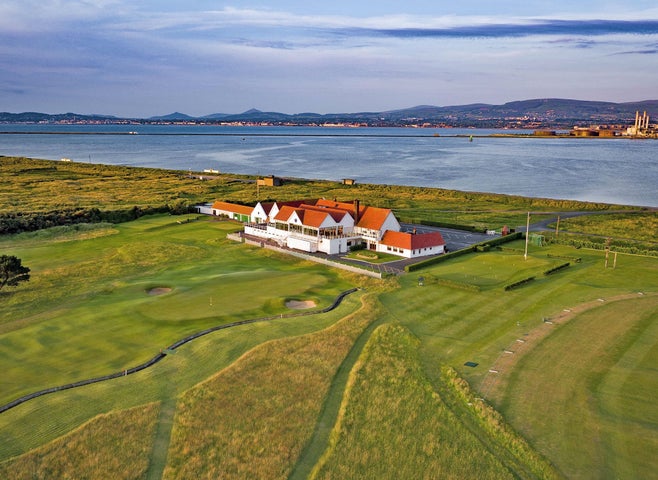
{"x":394,"y":425}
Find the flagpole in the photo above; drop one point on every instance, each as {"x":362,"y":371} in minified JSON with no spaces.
{"x":527,"y":235}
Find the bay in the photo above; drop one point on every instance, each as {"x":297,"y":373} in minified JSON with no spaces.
{"x":620,"y":170}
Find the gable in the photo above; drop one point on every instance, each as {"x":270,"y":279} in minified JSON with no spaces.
{"x":337,"y":214}
{"x":373,"y":218}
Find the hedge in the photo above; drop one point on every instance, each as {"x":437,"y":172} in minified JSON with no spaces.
{"x":514,"y":285}
{"x":11,"y":223}
{"x":557,"y":269}
{"x":573,"y":259}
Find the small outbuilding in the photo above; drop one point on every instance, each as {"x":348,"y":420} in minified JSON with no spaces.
{"x":270,"y":181}
{"x":411,"y":245}
{"x":241,"y":213}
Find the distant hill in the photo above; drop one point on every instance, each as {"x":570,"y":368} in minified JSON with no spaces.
{"x":172,"y":116}
{"x":34,"y":117}
{"x":535,"y":113}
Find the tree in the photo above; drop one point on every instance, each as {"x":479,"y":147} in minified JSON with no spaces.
{"x":12,"y":272}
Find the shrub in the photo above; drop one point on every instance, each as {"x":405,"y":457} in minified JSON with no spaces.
{"x":556,"y":269}
{"x":514,"y":285}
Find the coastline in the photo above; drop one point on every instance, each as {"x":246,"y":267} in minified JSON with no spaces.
{"x":351,"y":135}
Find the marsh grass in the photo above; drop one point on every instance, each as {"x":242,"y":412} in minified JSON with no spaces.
{"x":32,"y":185}
{"x":640,"y":227}
{"x":115,"y":445}
{"x":253,"y":419}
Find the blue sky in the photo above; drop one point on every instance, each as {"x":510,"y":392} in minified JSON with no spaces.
{"x":152,"y":57}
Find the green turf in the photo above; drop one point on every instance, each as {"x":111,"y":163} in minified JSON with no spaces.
{"x":37,"y":422}
{"x":87,"y":310}
{"x":456,"y":326}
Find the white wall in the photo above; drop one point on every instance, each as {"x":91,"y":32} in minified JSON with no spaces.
{"x":302,"y":244}
{"x":206,"y":208}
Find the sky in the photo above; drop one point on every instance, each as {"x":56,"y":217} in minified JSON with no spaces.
{"x":153,"y":57}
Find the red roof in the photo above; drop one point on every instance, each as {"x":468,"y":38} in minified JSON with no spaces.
{"x":284,"y":213}
{"x":296,"y":203}
{"x":312,"y":218}
{"x":267,"y":207}
{"x":410,"y":241}
{"x":232,"y":207}
{"x":336,"y":213}
{"x":373,"y":218}
{"x":309,"y":217}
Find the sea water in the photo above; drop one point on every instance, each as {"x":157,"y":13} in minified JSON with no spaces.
{"x":615,"y":170}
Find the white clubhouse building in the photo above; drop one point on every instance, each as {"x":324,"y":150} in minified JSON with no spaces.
{"x":330,"y":227}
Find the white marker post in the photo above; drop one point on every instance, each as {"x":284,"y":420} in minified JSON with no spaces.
{"x":527,"y":235}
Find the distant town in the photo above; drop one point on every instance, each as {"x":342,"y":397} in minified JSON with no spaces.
{"x":578,"y":117}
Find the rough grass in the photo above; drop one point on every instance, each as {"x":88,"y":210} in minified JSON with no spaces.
{"x":40,"y":185}
{"x":640,"y":227}
{"x":115,"y":445}
{"x":253,"y":419}
{"x":394,"y":425}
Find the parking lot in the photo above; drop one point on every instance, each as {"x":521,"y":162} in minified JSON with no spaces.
{"x":455,"y":239}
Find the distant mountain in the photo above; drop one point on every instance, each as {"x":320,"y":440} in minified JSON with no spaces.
{"x":173,"y":116}
{"x":215,"y":116}
{"x":35,"y":117}
{"x":535,"y":113}
{"x":549,"y":112}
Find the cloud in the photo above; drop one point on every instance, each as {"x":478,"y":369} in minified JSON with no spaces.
{"x":586,"y":28}
{"x":167,"y":52}
{"x":652,"y":51}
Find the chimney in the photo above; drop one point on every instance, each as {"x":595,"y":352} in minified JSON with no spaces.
{"x":356,"y":212}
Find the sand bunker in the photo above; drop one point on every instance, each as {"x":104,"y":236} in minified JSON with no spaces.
{"x":300,"y":305}
{"x":159,"y":290}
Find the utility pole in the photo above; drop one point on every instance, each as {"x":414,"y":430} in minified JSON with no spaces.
{"x":527,"y":236}
{"x":557,"y":227}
